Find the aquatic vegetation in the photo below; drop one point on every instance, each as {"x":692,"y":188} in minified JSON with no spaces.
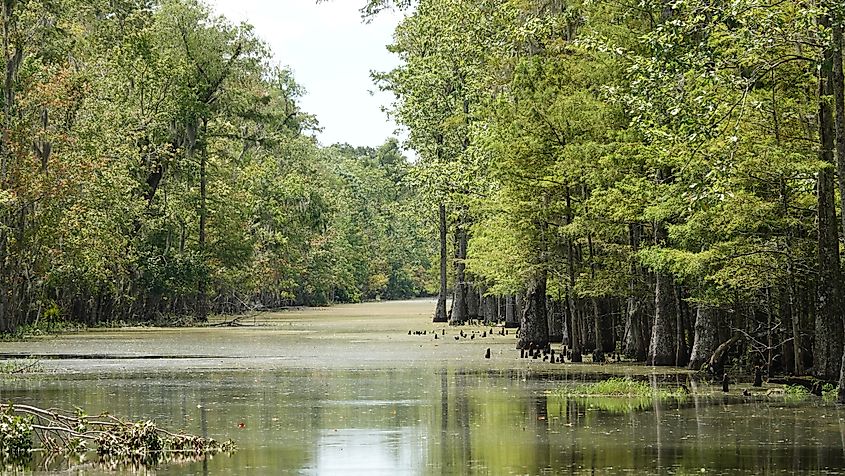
{"x":20,"y":366}
{"x":829,"y":392}
{"x":795,"y":393}
{"x":618,"y":395}
{"x":620,"y":387}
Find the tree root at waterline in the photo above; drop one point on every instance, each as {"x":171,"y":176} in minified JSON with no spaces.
{"x":26,"y":429}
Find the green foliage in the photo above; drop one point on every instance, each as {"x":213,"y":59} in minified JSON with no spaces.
{"x":829,"y":393}
{"x":15,"y":437}
{"x":615,"y":387}
{"x":606,"y":144}
{"x":134,"y":109}
{"x":795,"y":393}
{"x":618,"y":394}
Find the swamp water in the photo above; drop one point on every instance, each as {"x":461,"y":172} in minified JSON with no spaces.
{"x":346,"y":390}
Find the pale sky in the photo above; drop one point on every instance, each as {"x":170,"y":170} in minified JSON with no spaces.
{"x":331,"y":52}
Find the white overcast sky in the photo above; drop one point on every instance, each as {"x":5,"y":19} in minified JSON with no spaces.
{"x":331,"y":52}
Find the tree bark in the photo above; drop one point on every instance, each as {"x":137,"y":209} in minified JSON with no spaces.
{"x":598,"y":354}
{"x":555,"y":320}
{"x":827,"y":351}
{"x":490,"y":309}
{"x":202,"y":294}
{"x":662,"y":348}
{"x":573,"y":326}
{"x":440,"y":311}
{"x":681,"y":355}
{"x":839,"y":126}
{"x":706,"y":337}
{"x":459,"y":313}
{"x":634,"y":338}
{"x":473,"y":298}
{"x":511,"y":315}
{"x":534,"y":328}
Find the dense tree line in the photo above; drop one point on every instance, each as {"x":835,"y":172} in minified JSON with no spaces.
{"x":656,"y":178}
{"x":154,"y":161}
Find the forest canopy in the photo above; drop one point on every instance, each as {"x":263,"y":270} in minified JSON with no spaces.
{"x":659,"y":179}
{"x":155,"y":162}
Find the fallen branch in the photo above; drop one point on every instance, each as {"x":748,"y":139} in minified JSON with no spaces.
{"x":62,"y":433}
{"x":716,"y":359}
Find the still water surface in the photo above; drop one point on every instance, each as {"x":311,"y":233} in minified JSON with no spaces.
{"x":347,"y":391}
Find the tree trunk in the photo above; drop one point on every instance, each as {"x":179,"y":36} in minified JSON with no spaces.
{"x":681,"y":356}
{"x":555,"y":320}
{"x":511,"y":315}
{"x":202,"y":294}
{"x":634,"y":339}
{"x":839,"y":104}
{"x":706,"y":337}
{"x":662,"y":348}
{"x":440,"y":312}
{"x":598,"y":354}
{"x":574,"y":328}
{"x":473,"y":298}
{"x":534,"y":327}
{"x":490,"y":309}
{"x":827,"y":351}
{"x":459,"y":313}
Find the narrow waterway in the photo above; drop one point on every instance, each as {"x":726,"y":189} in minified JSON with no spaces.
{"x":346,"y":390}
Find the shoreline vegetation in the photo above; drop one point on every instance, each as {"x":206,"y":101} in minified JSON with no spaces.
{"x":140,"y":178}
{"x":703,"y":238}
{"x":666,"y":182}
{"x":621,"y":182}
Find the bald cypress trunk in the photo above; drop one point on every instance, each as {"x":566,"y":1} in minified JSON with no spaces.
{"x":473,"y":297}
{"x":573,"y":325}
{"x":706,"y":339}
{"x":533,"y":329}
{"x":635,"y":340}
{"x":827,"y":351}
{"x":459,"y":312}
{"x":555,"y":320}
{"x":490,"y":308}
{"x":440,"y":312}
{"x":839,"y":104}
{"x":511,"y":314}
{"x":634,"y":345}
{"x":662,"y":348}
{"x":202,"y":294}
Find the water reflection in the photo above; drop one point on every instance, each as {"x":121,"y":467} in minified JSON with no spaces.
{"x":451,"y":421}
{"x":368,"y":451}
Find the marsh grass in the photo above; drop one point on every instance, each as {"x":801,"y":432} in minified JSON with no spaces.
{"x":829,"y":393}
{"x":795,"y":393}
{"x":620,"y":387}
{"x":619,"y":395}
{"x":20,"y":366}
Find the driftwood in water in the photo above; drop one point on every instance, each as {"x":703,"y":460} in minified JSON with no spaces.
{"x":114,"y":439}
{"x":717,"y":359}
